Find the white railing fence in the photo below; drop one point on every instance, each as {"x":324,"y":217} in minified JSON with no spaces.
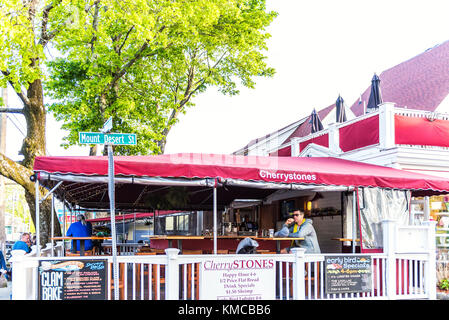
{"x":395,"y":274}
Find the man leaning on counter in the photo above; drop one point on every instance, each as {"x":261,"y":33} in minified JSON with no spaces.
{"x":299,"y":227}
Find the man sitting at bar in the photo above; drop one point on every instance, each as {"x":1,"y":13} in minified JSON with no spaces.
{"x":299,"y":227}
{"x":24,"y":243}
{"x":80,"y":228}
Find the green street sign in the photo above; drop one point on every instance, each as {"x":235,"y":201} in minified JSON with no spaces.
{"x":127,"y":139}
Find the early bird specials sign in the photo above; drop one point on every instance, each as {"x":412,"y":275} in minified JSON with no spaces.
{"x":348,"y":274}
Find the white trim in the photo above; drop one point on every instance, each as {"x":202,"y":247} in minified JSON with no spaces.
{"x":208,"y":182}
{"x":271,"y":136}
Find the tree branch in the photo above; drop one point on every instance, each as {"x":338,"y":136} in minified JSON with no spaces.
{"x":16,"y":172}
{"x":124,"y":41}
{"x":20,"y":94}
{"x":128,"y":65}
{"x":44,"y":35}
{"x":137,"y":56}
{"x":189,"y":93}
{"x":11,"y":110}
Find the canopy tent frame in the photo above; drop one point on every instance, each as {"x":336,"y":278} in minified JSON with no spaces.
{"x":264,"y":174}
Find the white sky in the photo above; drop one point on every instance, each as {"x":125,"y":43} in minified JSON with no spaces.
{"x":319,"y":48}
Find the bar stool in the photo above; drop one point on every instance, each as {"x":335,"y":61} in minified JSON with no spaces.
{"x":77,"y":254}
{"x":146,"y":272}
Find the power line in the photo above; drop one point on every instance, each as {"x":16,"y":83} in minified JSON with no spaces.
{"x":17,"y":127}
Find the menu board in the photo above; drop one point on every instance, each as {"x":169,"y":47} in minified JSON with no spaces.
{"x":232,"y":278}
{"x":348,"y":274}
{"x":72,"y":279}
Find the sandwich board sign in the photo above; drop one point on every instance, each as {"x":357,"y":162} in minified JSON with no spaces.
{"x":348,"y":274}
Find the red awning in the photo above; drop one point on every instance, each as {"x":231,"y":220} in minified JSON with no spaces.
{"x":231,"y":169}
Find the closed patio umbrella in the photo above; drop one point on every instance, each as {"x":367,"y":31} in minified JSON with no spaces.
{"x":316,"y":122}
{"x":375,"y":97}
{"x":340,"y":105}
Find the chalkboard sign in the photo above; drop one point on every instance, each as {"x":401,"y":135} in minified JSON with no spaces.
{"x":72,"y":279}
{"x":348,"y":274}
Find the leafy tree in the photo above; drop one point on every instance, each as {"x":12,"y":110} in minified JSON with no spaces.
{"x":26,"y":28}
{"x":143,"y":63}
{"x":140,"y":61}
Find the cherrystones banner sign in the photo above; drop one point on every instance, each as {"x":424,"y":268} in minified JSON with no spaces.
{"x":231,"y":278}
{"x":348,"y":274}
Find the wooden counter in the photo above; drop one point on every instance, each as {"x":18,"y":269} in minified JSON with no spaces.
{"x":82,"y":240}
{"x":225,"y":242}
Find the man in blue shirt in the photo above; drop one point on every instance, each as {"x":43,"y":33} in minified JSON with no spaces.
{"x":80,"y":228}
{"x":24,"y":243}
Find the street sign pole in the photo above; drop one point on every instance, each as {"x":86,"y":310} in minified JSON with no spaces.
{"x":111,"y":187}
{"x":110,"y":139}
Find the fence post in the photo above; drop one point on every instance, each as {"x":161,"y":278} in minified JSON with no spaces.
{"x":172,"y":274}
{"x":298,"y":274}
{"x":430,"y":272}
{"x":389,"y":243}
{"x":23,"y":279}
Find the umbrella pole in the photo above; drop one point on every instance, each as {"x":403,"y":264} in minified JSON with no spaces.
{"x":52,"y":224}
{"x":354,"y":220}
{"x":63,"y":222}
{"x":215,"y":217}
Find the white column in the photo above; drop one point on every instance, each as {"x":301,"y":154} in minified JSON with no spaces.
{"x":430,"y":271}
{"x":386,"y":125}
{"x":172,"y":275}
{"x":299,"y":289}
{"x":389,"y":242}
{"x":294,"y":147}
{"x":426,"y":208}
{"x":334,"y":139}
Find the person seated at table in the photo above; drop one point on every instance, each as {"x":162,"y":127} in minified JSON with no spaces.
{"x":247,"y":246}
{"x":299,"y":227}
{"x":3,"y":267}
{"x":80,"y":228}
{"x":24,"y":243}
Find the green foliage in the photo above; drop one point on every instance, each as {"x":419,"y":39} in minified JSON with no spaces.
{"x":142,"y":62}
{"x":17,"y":206}
{"x":444,"y":284}
{"x":24,"y":32}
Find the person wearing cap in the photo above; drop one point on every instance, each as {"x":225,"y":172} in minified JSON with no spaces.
{"x":299,"y":227}
{"x":80,"y":228}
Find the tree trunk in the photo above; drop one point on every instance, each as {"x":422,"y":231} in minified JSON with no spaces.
{"x":33,"y":145}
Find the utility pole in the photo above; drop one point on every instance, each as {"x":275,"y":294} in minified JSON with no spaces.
{"x":4,"y":92}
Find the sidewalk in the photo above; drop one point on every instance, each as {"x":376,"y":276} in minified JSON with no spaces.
{"x":5,"y":292}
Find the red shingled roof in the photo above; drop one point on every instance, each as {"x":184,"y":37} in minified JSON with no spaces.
{"x":419,"y":83}
{"x":306,"y":127}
